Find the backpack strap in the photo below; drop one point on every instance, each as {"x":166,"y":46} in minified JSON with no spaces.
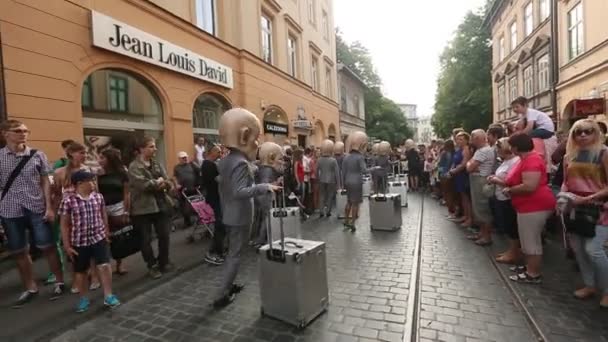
{"x":16,"y":171}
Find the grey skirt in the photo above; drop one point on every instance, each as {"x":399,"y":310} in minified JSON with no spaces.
{"x":354,"y":193}
{"x":480,"y":203}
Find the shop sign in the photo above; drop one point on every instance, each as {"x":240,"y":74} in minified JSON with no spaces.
{"x":302,"y":124}
{"x":118,"y":37}
{"x":589,"y":107}
{"x":275,"y":128}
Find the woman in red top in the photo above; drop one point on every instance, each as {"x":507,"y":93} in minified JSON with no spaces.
{"x":534,"y":203}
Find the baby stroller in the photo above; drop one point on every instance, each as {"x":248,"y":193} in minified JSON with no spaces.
{"x":204,"y":213}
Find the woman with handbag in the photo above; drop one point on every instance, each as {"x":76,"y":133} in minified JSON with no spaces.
{"x":113,"y":183}
{"x":527,"y":185}
{"x":151,"y":205}
{"x":585,"y":176}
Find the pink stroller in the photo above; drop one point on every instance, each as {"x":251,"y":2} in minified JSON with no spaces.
{"x":204,"y":212}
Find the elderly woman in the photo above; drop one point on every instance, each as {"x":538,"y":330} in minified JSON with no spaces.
{"x":506,"y":219}
{"x":414,"y":164}
{"x":480,"y":167}
{"x":585,"y":175}
{"x":534,"y":203}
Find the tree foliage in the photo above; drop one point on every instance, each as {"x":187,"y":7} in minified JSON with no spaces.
{"x":383,"y":117}
{"x":464,"y":89}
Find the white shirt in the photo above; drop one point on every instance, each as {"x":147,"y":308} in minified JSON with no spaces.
{"x":200,"y":152}
{"x":306,"y":166}
{"x":501,"y":173}
{"x":542,"y":120}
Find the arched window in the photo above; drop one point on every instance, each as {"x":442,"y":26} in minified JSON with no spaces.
{"x":118,"y":107}
{"x":206,"y":114}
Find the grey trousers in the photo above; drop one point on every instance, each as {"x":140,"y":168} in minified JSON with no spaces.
{"x":237,"y":238}
{"x":592,"y":259}
{"x":328,"y":193}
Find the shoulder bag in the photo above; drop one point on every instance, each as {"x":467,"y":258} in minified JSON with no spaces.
{"x":15,"y":173}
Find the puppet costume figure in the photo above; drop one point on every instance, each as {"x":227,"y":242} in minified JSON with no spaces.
{"x":339,"y":153}
{"x":269,"y":171}
{"x":382,"y":166}
{"x":353,"y":168}
{"x":328,"y":175}
{"x":239,"y":130}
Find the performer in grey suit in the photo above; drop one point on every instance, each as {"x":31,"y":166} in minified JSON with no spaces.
{"x":353,"y":168}
{"x":328,"y":175}
{"x":239,"y":130}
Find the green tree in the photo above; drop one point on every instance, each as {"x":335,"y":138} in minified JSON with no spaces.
{"x":464,"y":85}
{"x":383,"y":118}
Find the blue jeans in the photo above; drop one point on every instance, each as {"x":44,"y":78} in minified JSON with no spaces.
{"x":541,"y":133}
{"x":16,"y":231}
{"x":592,"y":259}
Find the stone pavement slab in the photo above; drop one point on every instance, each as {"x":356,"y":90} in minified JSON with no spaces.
{"x":560,"y":316}
{"x":463,"y":297}
{"x":368,"y":280}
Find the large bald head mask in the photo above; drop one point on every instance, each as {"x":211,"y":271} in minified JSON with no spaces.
{"x":239,"y":129}
{"x":384,"y":148}
{"x":271,"y":154}
{"x":327,"y":148}
{"x":357,"y":141}
{"x":339,"y":148}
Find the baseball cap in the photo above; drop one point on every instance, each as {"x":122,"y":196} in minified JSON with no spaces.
{"x":82,"y":176}
{"x":182,"y":154}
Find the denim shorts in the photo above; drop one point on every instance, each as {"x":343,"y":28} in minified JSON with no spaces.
{"x":98,"y":252}
{"x":17,"y":230}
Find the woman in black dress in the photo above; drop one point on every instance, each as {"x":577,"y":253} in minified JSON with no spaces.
{"x":414,"y":164}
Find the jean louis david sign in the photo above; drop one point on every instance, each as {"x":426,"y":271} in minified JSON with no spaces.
{"x":116,"y":36}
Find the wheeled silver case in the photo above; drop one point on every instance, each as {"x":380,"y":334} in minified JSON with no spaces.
{"x":399,"y":187}
{"x":385,"y":212}
{"x":291,"y":222}
{"x":293,"y":278}
{"x":367,"y":186}
{"x":341,"y":200}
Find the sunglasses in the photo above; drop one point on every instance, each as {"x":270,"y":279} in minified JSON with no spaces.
{"x":588,"y":131}
{"x":19,"y":131}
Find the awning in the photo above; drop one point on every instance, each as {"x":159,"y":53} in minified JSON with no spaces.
{"x":580,"y":108}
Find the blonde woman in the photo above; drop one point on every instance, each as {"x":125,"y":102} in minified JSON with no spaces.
{"x":460,"y":177}
{"x":414,"y":164}
{"x":585,"y":175}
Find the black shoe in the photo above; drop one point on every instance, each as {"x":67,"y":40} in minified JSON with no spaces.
{"x":223,"y":302}
{"x":321,"y":215}
{"x":236,"y":288}
{"x":25,"y":298}
{"x":58,"y":291}
{"x":213,"y":259}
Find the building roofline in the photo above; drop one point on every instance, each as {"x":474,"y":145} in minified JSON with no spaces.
{"x":493,"y":11}
{"x":347,"y":70}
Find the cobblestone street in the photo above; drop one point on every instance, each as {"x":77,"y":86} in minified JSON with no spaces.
{"x":461,"y":295}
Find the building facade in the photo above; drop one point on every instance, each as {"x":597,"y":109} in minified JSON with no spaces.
{"x":351,"y":91}
{"x":410,"y":112}
{"x":424,"y":131}
{"x":583,"y":59}
{"x":521,"y":55}
{"x":107,"y":72}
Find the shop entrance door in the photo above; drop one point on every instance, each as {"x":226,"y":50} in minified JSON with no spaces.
{"x":302,"y":141}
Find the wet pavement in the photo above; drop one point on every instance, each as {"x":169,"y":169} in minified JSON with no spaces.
{"x":462,"y":295}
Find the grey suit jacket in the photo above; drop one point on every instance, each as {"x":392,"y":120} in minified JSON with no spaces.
{"x":237,"y":189}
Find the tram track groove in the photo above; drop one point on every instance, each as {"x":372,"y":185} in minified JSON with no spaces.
{"x":412,"y":320}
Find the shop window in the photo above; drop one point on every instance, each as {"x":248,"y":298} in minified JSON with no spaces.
{"x":206,"y":114}
{"x":119,"y":93}
{"x":119,"y":107}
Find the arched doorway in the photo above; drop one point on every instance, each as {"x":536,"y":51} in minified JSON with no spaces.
{"x":331,"y":133}
{"x":318,"y":134}
{"x":206,"y":114}
{"x":276,"y":125}
{"x":118,"y":107}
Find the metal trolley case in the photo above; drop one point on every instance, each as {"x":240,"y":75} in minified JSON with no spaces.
{"x":291,"y":222}
{"x":367,"y":186}
{"x":341,"y":200}
{"x":399,"y":186}
{"x":385,"y":212}
{"x":293,"y":279}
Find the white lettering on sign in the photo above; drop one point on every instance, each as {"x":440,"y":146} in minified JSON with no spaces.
{"x":116,"y":36}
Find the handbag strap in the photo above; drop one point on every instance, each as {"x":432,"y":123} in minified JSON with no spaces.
{"x":16,"y":171}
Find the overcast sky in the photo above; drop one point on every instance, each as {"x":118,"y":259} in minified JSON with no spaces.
{"x":405,"y":38}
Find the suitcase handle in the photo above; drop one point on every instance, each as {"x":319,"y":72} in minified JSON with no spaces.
{"x":293,"y":243}
{"x":272,"y":254}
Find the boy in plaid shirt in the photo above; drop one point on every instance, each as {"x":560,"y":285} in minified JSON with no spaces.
{"x":85,"y":233}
